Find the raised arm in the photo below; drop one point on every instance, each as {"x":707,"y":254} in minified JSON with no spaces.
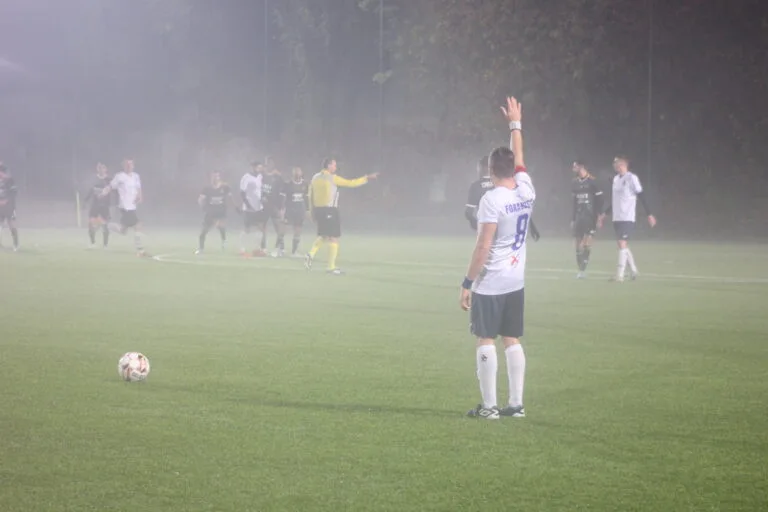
{"x":514,"y":114}
{"x":357,"y":182}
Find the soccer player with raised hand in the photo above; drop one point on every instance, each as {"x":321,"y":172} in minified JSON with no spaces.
{"x":493,"y":289}
{"x":324,"y":201}
{"x":625,"y":191}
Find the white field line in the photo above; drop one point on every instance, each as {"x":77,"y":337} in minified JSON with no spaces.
{"x":169,"y":258}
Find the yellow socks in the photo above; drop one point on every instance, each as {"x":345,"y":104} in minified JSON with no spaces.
{"x":316,"y":246}
{"x":333,"y":252}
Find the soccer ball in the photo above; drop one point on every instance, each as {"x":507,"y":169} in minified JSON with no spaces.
{"x":133,"y":367}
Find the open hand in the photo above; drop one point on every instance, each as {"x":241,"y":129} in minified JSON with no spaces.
{"x":513,"y":112}
{"x":373,"y":176}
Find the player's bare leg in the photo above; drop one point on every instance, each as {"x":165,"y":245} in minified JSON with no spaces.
{"x":515,"y":356}
{"x":243,"y":237}
{"x":583,"y":252}
{"x":93,"y":225}
{"x":138,"y":240}
{"x":262,"y":251}
{"x":14,"y":233}
{"x":296,"y":240}
{"x":207,"y":225}
{"x":279,"y":227}
{"x":222,"y":227}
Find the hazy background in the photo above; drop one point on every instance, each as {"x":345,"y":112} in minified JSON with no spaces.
{"x":185,"y":86}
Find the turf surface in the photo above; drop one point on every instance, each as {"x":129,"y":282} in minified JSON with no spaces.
{"x":277,"y":389}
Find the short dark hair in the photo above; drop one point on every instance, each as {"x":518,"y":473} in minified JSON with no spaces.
{"x":621,"y":157}
{"x":327,"y":162}
{"x":502,"y":162}
{"x":254,"y":163}
{"x":580,"y":163}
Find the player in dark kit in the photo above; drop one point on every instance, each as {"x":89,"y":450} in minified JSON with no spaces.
{"x":297,"y":206}
{"x":214,"y":199}
{"x":98,"y":214}
{"x":587,"y":205}
{"x":273,"y":197}
{"x":476,"y":192}
{"x":8,"y":193}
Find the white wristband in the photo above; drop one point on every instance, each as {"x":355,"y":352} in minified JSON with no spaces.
{"x":515,"y":125}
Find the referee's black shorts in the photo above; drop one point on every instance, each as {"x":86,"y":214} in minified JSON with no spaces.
{"x":328,"y":222}
{"x":498,"y":315}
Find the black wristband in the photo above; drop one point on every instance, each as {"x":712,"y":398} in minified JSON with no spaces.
{"x":467,"y":284}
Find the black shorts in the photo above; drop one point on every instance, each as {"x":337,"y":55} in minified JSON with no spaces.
{"x":213,"y":217}
{"x":251,"y":219}
{"x":295,"y":216}
{"x":7,"y":213}
{"x":99,"y":212}
{"x":584,"y":226}
{"x":328,"y":222}
{"x":623,"y":229}
{"x":128,"y":218}
{"x":498,"y":315}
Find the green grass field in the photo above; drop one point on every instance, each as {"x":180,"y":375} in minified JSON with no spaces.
{"x":277,"y":389}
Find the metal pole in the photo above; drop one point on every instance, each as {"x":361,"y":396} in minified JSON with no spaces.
{"x":381,"y":83}
{"x":649,"y":141}
{"x":265,"y":77}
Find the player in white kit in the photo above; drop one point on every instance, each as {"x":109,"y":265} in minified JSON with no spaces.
{"x":254,"y":214}
{"x":625,"y":191}
{"x":127,"y":183}
{"x":493,"y":289}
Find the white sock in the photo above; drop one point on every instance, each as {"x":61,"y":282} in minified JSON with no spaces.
{"x":137,"y":236}
{"x":487,"y":365}
{"x":622,"y":263}
{"x":516,"y":373}
{"x":631,"y":261}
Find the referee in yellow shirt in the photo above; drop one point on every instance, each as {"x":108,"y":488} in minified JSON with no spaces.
{"x":324,"y":202}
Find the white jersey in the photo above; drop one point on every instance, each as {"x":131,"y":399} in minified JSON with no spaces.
{"x":624,"y":197}
{"x":251,"y":185}
{"x":510,"y":210}
{"x":128,"y":188}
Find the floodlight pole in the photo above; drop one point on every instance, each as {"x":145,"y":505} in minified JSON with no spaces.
{"x":381,"y":83}
{"x":649,"y":141}
{"x":265,"y":76}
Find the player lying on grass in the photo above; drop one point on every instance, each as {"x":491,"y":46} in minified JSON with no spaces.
{"x":494,"y":287}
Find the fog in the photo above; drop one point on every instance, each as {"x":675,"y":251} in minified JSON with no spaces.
{"x":184,"y":88}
